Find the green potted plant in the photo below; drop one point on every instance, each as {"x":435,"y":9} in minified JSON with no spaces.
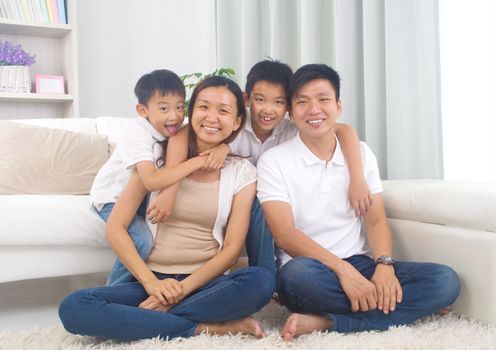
{"x":14,"y":68}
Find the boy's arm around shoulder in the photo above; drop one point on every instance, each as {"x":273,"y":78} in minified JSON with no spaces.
{"x":157,"y":179}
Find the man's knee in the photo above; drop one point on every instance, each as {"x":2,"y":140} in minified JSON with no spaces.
{"x":299,"y":272}
{"x":447,"y":284}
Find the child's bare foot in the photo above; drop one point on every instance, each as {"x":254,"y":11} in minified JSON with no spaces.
{"x":247,"y":325}
{"x":298,"y":324}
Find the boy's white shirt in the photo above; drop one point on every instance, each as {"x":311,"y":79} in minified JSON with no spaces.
{"x":317,"y":193}
{"x":248,"y":145}
{"x":140,"y":142}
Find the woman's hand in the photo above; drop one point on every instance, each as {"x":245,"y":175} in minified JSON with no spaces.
{"x":152,"y":303}
{"x":167,"y":291}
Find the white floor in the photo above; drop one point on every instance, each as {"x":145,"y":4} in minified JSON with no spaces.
{"x":25,"y":304}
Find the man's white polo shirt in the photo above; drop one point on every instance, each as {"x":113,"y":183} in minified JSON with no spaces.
{"x":317,"y":193}
{"x":248,"y":145}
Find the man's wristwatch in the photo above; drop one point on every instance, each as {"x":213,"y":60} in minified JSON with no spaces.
{"x":384,"y":259}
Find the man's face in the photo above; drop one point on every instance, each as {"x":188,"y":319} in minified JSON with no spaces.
{"x":268,"y":105}
{"x":314,"y":109}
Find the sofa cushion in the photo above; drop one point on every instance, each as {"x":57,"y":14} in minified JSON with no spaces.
{"x":55,"y":220}
{"x":39,"y":160}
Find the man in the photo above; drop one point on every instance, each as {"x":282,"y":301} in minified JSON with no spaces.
{"x":329,"y":276}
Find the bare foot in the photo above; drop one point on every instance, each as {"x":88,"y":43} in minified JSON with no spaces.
{"x":298,"y":324}
{"x":247,"y":325}
{"x":444,"y":311}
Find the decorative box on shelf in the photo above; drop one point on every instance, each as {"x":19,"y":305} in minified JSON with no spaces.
{"x":15,"y":79}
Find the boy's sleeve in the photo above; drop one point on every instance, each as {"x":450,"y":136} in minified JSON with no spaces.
{"x":271,"y":185}
{"x":136,"y":146}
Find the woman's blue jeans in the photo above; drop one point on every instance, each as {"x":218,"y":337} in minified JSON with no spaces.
{"x":112,"y":312}
{"x":305,"y":285}
{"x":142,"y":238}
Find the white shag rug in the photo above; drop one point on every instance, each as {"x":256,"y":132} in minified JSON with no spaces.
{"x":447,"y":332}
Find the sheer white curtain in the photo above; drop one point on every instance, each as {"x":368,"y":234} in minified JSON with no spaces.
{"x":387,"y":54}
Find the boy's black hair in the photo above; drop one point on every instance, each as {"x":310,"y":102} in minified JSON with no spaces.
{"x":310,"y":72}
{"x":163,"y":81}
{"x":268,"y":70}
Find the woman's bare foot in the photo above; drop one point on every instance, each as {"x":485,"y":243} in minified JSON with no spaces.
{"x":298,"y":324}
{"x":247,"y":325}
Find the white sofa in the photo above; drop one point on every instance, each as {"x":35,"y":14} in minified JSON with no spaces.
{"x":453,"y":223}
{"x":56,"y":235}
{"x":439,"y":221}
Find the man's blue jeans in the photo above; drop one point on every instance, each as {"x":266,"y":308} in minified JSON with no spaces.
{"x":259,"y":242}
{"x":112,"y":312}
{"x":142,"y":238}
{"x":305,"y":285}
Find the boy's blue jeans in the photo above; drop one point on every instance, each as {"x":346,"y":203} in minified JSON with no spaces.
{"x":142,"y":238}
{"x":305,"y":285}
{"x":112,"y":312}
{"x":259,"y":242}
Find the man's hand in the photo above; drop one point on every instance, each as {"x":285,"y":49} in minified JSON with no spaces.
{"x":388,"y":288}
{"x":215,"y":157}
{"x":359,"y":196}
{"x":167,"y":291}
{"x":360,"y":291}
{"x":152,"y":303}
{"x":160,"y":207}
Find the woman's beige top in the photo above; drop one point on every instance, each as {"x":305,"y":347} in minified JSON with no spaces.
{"x":185,"y":240}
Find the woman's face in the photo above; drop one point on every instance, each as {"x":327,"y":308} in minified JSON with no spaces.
{"x":214,"y":116}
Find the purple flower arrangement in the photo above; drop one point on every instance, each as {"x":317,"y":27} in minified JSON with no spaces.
{"x":14,"y":55}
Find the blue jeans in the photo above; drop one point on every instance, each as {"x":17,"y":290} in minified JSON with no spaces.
{"x":259,"y":242}
{"x":112,"y":312}
{"x":305,"y":285}
{"x":142,"y":238}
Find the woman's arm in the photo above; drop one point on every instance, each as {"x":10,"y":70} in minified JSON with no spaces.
{"x":359,"y":194}
{"x":116,"y":233}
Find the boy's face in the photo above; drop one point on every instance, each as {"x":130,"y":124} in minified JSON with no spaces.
{"x":314,"y":109}
{"x":165,"y":113}
{"x":268,"y":105}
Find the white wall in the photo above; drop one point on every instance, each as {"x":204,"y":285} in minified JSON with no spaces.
{"x":120,"y":40}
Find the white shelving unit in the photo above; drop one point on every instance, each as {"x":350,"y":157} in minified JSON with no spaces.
{"x":55,"y":47}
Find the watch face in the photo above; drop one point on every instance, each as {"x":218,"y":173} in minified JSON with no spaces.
{"x":386,"y":260}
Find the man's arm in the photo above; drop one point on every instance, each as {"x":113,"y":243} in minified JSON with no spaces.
{"x":357,"y":288}
{"x":380,"y":240}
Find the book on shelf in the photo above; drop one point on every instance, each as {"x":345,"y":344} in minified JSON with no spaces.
{"x":62,"y":11}
{"x":55,"y":11}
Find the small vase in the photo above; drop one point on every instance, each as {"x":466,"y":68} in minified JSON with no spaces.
{"x":15,"y":79}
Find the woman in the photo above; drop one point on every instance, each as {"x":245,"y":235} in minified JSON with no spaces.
{"x":181,"y":290}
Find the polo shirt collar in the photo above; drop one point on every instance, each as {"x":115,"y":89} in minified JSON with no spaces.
{"x":144,"y":123}
{"x":310,"y":159}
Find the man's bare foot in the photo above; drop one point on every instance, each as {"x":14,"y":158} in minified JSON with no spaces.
{"x":247,"y":325}
{"x":298,"y":324}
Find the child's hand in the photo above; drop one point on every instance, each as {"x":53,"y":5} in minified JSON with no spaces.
{"x":160,"y":207}
{"x":359,"y":196}
{"x":215,"y":157}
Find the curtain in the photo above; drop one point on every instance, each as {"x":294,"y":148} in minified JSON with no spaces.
{"x":387,"y":54}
